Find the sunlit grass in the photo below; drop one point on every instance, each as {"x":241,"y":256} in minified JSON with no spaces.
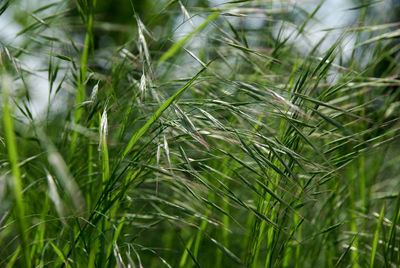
{"x":231,"y":146}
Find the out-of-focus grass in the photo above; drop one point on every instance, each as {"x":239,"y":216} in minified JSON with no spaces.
{"x":229,"y":146}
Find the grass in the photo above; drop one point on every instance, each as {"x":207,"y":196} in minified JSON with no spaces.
{"x":199,"y":135}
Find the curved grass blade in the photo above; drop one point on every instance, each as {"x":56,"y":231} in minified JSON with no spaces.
{"x":157,"y":114}
{"x":175,"y":47}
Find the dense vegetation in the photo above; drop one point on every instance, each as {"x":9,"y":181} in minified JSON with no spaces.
{"x":199,"y":133}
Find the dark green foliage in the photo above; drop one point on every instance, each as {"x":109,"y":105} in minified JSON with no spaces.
{"x":190,"y":134}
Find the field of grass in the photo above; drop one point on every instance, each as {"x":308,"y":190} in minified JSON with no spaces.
{"x":199,"y":134}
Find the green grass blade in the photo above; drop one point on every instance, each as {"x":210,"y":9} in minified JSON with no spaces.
{"x":227,"y":252}
{"x":60,"y":254}
{"x":175,"y":47}
{"x":376,"y":236}
{"x":12,"y":154}
{"x":157,"y":114}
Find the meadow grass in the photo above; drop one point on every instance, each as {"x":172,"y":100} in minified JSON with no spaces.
{"x":245,"y":141}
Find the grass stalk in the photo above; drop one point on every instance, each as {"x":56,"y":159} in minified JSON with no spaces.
{"x":16,"y":180}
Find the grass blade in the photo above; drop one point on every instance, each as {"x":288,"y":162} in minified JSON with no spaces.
{"x":12,"y":154}
{"x":157,"y":114}
{"x":376,"y":236}
{"x":175,"y":47}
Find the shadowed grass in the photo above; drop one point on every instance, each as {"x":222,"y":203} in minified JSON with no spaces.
{"x":282,"y":151}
